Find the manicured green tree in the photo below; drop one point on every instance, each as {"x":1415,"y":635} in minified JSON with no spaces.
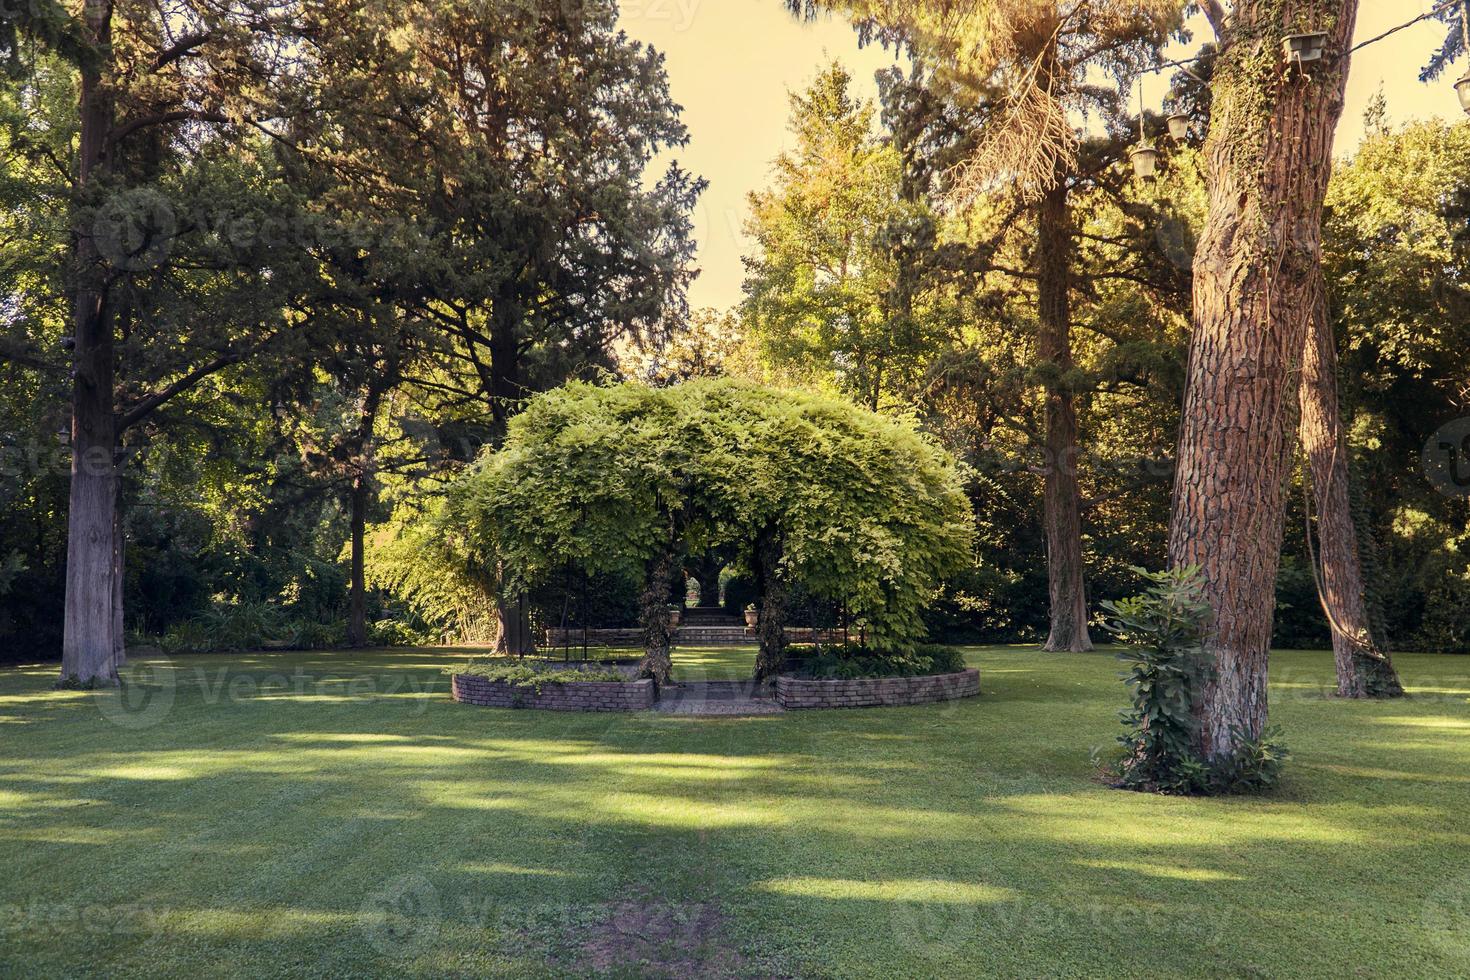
{"x":854,"y":507}
{"x":586,"y":476}
{"x":628,"y":479}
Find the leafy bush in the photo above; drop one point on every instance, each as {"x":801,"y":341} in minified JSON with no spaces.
{"x":1168,"y":671}
{"x":232,"y":627}
{"x":394,"y":633}
{"x":229,"y":627}
{"x":851,"y":661}
{"x":518,"y":673}
{"x":317,"y":635}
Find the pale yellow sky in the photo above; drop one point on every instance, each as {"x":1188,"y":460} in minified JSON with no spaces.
{"x":731,"y":64}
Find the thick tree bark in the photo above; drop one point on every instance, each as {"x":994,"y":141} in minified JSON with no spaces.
{"x":773,"y":597}
{"x":88,"y":645}
{"x":1062,"y":500}
{"x":357,"y":597}
{"x":1364,"y":670}
{"x":658,"y":632}
{"x":1256,"y":283}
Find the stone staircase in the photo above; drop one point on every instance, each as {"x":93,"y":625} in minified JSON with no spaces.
{"x":711,"y":626}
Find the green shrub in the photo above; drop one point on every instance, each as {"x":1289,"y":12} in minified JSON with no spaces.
{"x":317,"y":635}
{"x":839,"y":661}
{"x":229,"y":628}
{"x":393,"y":633}
{"x":1168,"y":671}
{"x":517,"y":673}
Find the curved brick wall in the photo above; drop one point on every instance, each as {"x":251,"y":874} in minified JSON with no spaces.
{"x":569,"y":696}
{"x":871,"y":692}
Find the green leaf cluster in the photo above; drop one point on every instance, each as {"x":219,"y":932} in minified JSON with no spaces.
{"x":1168,"y":673}
{"x":866,"y":510}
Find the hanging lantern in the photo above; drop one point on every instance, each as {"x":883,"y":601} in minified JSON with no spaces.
{"x":1145,"y":160}
{"x":1178,"y":127}
{"x":1302,"y":48}
{"x":1462,"y":89}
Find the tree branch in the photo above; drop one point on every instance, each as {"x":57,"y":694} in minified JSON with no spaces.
{"x":1215,"y":14}
{"x":180,"y":49}
{"x":145,"y":407}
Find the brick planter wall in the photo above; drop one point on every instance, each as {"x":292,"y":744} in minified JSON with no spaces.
{"x":870,"y":692}
{"x":569,"y":696}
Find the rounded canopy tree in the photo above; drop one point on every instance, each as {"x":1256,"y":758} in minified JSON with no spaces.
{"x":811,"y":490}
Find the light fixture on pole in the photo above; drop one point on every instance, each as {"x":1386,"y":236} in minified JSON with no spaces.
{"x":1144,"y":157}
{"x":1178,"y":127}
{"x":1303,"y":48}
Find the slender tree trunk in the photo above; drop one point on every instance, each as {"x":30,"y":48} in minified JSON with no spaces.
{"x":773,"y":599}
{"x":88,"y":644}
{"x":658,"y":632}
{"x":1256,"y":279}
{"x":512,"y":621}
{"x":119,"y":564}
{"x":1363,"y":669}
{"x":357,"y":598}
{"x":361,"y":496}
{"x":1062,"y":500}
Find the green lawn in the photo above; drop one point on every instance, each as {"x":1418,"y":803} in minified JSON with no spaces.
{"x":337,"y":814}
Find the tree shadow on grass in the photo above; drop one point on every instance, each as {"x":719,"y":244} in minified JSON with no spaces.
{"x":379,"y":831}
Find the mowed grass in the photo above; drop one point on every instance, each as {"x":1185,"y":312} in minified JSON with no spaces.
{"x":335,"y":814}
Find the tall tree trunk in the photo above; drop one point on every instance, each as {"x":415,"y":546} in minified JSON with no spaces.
{"x":505,"y":365}
{"x":88,"y":645}
{"x":1363,"y":669}
{"x":119,"y":564}
{"x":773,"y":599}
{"x":1256,"y":283}
{"x":658,"y":632}
{"x":1062,"y":501}
{"x":357,"y":598}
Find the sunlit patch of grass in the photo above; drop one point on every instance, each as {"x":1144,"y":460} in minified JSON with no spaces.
{"x":1165,"y":870}
{"x":336,"y":814}
{"x":893,"y":890}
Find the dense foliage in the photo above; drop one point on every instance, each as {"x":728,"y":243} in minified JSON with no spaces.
{"x":845,"y":661}
{"x":1165,"y":627}
{"x":625,"y":479}
{"x":340,"y":320}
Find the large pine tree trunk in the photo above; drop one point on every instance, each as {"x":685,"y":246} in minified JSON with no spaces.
{"x":1256,"y":279}
{"x":658,"y":631}
{"x":1364,"y":670}
{"x":1062,"y":501}
{"x":357,"y":597}
{"x":88,"y":646}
